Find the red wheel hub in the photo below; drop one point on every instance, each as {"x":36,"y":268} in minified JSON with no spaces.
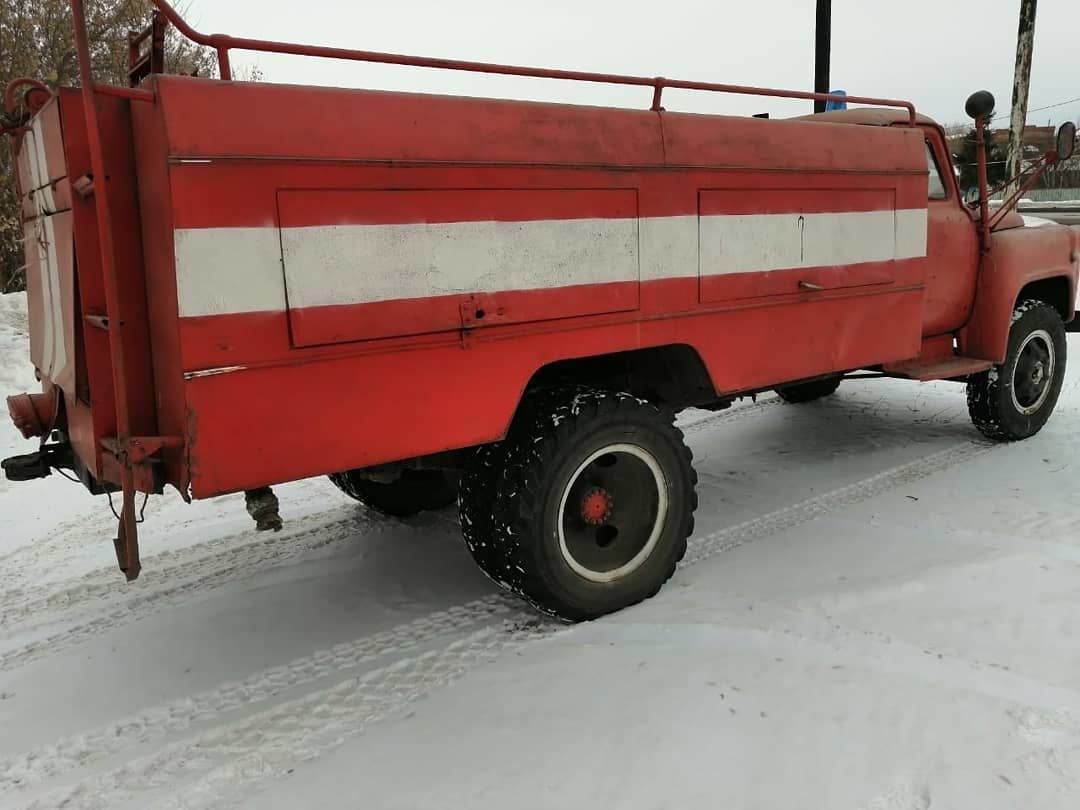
{"x":596,"y":506}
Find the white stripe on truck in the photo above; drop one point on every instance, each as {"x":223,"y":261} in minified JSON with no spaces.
{"x":236,"y":270}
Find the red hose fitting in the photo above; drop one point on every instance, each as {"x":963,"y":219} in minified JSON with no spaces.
{"x":33,"y":413}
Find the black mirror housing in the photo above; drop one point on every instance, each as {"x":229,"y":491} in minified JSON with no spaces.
{"x":1066,"y":140}
{"x":979,"y":104}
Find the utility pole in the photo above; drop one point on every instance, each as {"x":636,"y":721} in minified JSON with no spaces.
{"x":1025,"y":40}
{"x":822,"y":51}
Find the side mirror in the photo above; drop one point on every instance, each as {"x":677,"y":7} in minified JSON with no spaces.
{"x":971,"y":196}
{"x":1066,"y":140}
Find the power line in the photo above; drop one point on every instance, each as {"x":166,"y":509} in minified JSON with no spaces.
{"x":1040,"y":109}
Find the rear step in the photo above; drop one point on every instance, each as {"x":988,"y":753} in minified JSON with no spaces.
{"x":943,"y":368}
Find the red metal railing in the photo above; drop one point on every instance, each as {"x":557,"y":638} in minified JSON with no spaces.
{"x":127,"y":548}
{"x":223,"y":43}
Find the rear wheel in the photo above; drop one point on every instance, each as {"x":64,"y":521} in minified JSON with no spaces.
{"x":1014,"y":400}
{"x":412,"y":492}
{"x":476,"y":503}
{"x":809,"y":391}
{"x":594,"y":505}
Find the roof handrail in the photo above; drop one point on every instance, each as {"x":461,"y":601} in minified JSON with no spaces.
{"x":223,"y":43}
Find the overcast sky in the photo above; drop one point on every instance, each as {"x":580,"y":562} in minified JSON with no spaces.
{"x":933,"y":52}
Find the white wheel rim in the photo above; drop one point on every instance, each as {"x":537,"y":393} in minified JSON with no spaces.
{"x":662,"y":504}
{"x":1041,"y":372}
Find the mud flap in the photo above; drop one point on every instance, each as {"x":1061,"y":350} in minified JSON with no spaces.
{"x":126,"y":541}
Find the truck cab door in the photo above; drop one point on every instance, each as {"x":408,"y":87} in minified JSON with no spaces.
{"x":952,"y":246}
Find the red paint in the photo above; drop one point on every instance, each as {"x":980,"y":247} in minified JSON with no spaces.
{"x":242,"y":193}
{"x":597,"y":506}
{"x":1016,"y":258}
{"x":33,"y":414}
{"x":400,"y":402}
{"x":419,"y":316}
{"x":780,"y":200}
{"x":953,"y":253}
{"x":298,"y":209}
{"x":739,"y":286}
{"x":127,"y":549}
{"x":11,"y":92}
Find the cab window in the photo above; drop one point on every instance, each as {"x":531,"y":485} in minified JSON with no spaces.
{"x":937,"y":185}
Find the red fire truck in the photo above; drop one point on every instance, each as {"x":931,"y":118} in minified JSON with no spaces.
{"x":432,"y":298}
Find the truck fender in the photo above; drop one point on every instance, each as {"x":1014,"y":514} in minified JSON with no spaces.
{"x":1021,"y":264}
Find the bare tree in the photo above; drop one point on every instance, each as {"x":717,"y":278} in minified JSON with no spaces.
{"x":36,"y":40}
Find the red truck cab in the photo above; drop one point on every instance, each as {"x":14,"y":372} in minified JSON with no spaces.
{"x":434,"y":298}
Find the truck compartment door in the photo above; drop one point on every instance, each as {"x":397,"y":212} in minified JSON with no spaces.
{"x":47,"y":232}
{"x":772,"y":242}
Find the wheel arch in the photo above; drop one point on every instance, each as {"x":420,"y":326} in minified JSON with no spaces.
{"x":1056,"y":291}
{"x":673,"y":374}
{"x":986,"y":335}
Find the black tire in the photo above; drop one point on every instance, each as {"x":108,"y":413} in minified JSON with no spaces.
{"x":561,"y":505}
{"x":476,"y":503}
{"x":809,"y":391}
{"x":1013,"y":401}
{"x":413,"y":492}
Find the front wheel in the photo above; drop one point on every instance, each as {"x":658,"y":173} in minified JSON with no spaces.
{"x":1013,"y":400}
{"x":594,"y":505}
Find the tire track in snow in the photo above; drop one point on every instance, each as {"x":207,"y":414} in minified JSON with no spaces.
{"x":152,"y":724}
{"x":182,"y":581}
{"x":315,"y":719}
{"x":17,"y":605}
{"x":811,"y":508}
{"x":191,"y":570}
{"x":732,"y":414}
{"x":269,"y":744}
{"x":20,"y":568}
{"x":188,"y":562}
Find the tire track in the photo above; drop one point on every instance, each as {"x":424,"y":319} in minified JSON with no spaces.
{"x":196,"y":569}
{"x":17,"y":605}
{"x":269,"y":744}
{"x":190,"y":578}
{"x":732,"y":414}
{"x":19,"y":568}
{"x":150,"y":725}
{"x":811,"y":508}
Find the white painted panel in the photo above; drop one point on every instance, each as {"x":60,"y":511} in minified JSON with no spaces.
{"x":911,"y":233}
{"x":228,"y":270}
{"x":763,"y":242}
{"x":669,"y":247}
{"x":54,"y":344}
{"x":362,"y":263}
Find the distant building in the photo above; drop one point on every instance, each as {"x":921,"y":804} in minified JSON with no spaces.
{"x":1037,"y":140}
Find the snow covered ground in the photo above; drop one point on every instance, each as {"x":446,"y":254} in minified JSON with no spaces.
{"x":878,"y":612}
